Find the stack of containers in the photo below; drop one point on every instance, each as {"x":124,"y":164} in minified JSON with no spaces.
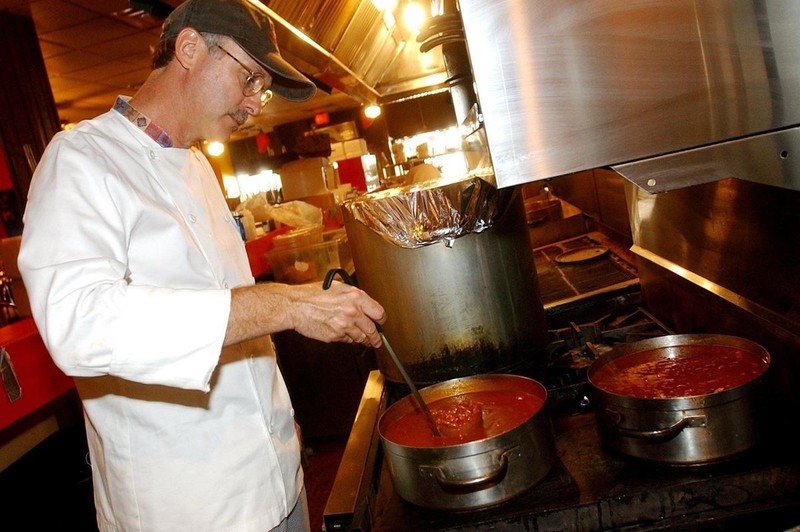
{"x":305,"y":254}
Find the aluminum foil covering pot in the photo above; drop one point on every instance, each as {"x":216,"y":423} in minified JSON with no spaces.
{"x":452,"y":265}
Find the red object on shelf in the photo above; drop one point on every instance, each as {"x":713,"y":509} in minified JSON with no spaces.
{"x":40,"y":380}
{"x":257,"y":251}
{"x":262,"y":142}
{"x":321,"y":119}
{"x":352,"y":171}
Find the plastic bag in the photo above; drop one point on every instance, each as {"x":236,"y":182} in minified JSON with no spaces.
{"x":258,"y":205}
{"x":295,"y":213}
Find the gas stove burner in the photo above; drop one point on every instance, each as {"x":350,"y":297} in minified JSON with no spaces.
{"x":638,"y":325}
{"x":572,"y":350}
{"x":574,"y":359}
{"x":576,"y":347}
{"x":599,"y":336}
{"x":576,"y":336}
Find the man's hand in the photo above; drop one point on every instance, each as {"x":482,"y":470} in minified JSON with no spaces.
{"x":342,"y":313}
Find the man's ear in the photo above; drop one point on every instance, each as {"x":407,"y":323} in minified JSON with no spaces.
{"x":187,"y":47}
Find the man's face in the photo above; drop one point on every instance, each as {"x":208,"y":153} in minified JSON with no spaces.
{"x":234,"y":88}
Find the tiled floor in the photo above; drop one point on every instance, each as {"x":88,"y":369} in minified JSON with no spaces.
{"x":50,"y":487}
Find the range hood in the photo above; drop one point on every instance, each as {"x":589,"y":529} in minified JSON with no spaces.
{"x":670,"y":93}
{"x":351,"y":46}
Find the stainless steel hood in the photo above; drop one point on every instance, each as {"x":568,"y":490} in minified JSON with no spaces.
{"x":352,"y":46}
{"x":669,"y":92}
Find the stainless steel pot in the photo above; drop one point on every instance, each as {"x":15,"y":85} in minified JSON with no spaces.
{"x":473,"y":474}
{"x":457,"y":311}
{"x":682,"y":430}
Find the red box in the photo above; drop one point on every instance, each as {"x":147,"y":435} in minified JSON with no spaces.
{"x":40,"y":380}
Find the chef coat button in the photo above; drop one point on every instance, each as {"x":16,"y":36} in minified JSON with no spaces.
{"x":152,"y":154}
{"x":225,"y":285}
{"x":270,"y":429}
{"x":291,"y":412}
{"x":193,"y":218}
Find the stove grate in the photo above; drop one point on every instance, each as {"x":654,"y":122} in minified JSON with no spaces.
{"x":572,"y":350}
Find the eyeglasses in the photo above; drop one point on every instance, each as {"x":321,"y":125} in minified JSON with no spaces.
{"x":254,"y":83}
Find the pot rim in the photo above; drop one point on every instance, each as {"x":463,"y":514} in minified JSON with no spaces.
{"x":463,"y":385}
{"x":685,"y":402}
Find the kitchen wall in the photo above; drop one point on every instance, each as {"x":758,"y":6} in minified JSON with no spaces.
{"x":600,"y":194}
{"x":413,"y":116}
{"x":723,"y":258}
{"x":28,"y":117}
{"x":28,"y":120}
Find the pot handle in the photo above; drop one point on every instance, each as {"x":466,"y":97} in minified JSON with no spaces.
{"x":473,"y":484}
{"x":667,"y":433}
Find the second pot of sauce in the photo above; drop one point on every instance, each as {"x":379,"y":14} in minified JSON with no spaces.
{"x":679,"y":371}
{"x":681,"y":399}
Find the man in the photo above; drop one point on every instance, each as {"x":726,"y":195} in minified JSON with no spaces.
{"x":141,"y":289}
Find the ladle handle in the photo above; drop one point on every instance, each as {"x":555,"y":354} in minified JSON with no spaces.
{"x":410,"y":383}
{"x":425,"y":410}
{"x":341,"y":272}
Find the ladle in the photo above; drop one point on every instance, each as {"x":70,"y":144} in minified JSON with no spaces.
{"x":421,"y":402}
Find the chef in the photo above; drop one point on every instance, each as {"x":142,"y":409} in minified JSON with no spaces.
{"x":141,"y":289}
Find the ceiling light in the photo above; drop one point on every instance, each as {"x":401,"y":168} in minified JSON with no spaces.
{"x":372,"y":111}
{"x":384,"y":5}
{"x":413,"y":17}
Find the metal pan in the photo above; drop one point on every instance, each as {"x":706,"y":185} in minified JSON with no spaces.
{"x":677,"y":424}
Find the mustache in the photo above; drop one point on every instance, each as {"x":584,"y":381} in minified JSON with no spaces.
{"x":239,"y":116}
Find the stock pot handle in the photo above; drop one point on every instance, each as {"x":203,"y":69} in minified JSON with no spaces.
{"x":473,"y":484}
{"x":666,"y":433}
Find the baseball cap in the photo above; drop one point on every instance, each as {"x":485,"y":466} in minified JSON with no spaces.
{"x":252,"y":29}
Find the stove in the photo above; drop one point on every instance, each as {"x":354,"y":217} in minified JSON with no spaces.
{"x":589,"y":487}
{"x":573,"y":348}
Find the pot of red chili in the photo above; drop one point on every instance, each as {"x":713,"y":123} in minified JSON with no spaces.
{"x":495,"y":442}
{"x":681,"y":399}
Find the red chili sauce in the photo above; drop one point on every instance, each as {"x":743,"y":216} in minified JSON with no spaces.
{"x":464,"y":417}
{"x":683,"y":371}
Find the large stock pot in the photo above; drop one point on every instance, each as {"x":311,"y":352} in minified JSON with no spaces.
{"x":471,"y":472}
{"x":456,"y":306}
{"x":681,"y":399}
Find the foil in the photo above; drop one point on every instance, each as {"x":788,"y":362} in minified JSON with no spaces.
{"x":430,"y":212}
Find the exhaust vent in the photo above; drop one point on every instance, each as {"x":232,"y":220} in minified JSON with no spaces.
{"x":352,"y":46}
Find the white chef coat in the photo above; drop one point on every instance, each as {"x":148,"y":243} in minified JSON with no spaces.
{"x":129,"y":253}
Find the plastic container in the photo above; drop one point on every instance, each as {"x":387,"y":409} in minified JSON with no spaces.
{"x":299,"y":238}
{"x":309,"y":263}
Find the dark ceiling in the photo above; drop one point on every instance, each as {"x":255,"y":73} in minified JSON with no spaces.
{"x":95,"y":50}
